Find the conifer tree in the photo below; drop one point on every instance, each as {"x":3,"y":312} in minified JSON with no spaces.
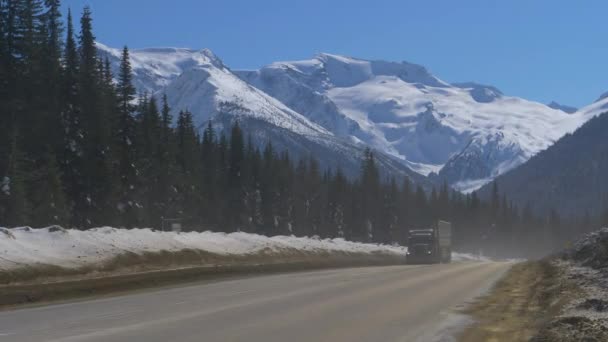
{"x":48,"y":202}
{"x":6,"y":116}
{"x":235,"y":205}
{"x":72,"y":153}
{"x":51,"y":73}
{"x":13,"y":193}
{"x":370,"y":184}
{"x":125,"y":142}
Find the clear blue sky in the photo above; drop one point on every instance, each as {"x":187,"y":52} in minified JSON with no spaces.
{"x":539,"y":49}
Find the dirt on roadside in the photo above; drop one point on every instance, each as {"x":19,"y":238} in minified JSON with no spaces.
{"x":131,"y":271}
{"x":521,"y":305}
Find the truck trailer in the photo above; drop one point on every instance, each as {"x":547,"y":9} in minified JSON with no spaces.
{"x":431,"y":245}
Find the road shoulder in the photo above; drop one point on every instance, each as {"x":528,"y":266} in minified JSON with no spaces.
{"x":521,"y":304}
{"x":128,"y":279}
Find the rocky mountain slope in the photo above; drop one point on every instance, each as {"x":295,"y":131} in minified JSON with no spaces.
{"x":464,"y":133}
{"x":569,"y":177}
{"x":198,"y":81}
{"x":467,"y":133}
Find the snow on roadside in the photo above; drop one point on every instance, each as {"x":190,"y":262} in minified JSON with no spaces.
{"x":468,"y":257}
{"x":584,"y":265}
{"x":26,"y":246}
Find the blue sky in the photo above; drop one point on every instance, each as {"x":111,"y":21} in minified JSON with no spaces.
{"x":538,"y":49}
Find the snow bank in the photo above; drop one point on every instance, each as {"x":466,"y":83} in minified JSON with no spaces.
{"x":56,"y":246}
{"x":585,"y":317}
{"x":468,"y":257}
{"x":591,"y":250}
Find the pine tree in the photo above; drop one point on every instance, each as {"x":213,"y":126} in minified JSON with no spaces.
{"x":284,"y":183}
{"x":167,"y":162}
{"x":48,"y":202}
{"x":51,"y":67}
{"x":235,"y":205}
{"x":151,"y":155}
{"x":6,"y":116}
{"x":268,"y":191}
{"x":94,"y":203}
{"x":125,"y":88}
{"x":301,"y":202}
{"x":337,"y":198}
{"x":166,"y":120}
{"x":370,"y":185}
{"x":13,"y":193}
{"x":209,"y":158}
{"x":189,"y":166}
{"x":72,"y":156}
{"x":125,"y":143}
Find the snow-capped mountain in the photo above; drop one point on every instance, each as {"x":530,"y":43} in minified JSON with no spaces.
{"x":598,"y":107}
{"x":467,"y":133}
{"x":155,"y":68}
{"x":198,"y":81}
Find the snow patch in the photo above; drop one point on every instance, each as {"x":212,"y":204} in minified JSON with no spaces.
{"x":403,"y":110}
{"x":74,"y":248}
{"x":468,"y":186}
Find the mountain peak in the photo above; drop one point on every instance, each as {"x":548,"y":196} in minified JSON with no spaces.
{"x":603,"y":96}
{"x":156,"y":67}
{"x":480,"y":92}
{"x":213,"y":58}
{"x":563,"y":108}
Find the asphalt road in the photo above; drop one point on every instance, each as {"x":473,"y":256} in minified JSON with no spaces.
{"x":396,"y":303}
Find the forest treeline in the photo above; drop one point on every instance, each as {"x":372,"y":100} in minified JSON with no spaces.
{"x":79,"y":148}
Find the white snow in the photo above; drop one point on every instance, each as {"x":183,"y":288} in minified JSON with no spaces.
{"x":586,"y":113}
{"x":207,"y":91}
{"x":75,"y":248}
{"x":430,"y":125}
{"x":155,"y":68}
{"x":468,"y":257}
{"x":468,"y":186}
{"x":473,"y":131}
{"x":405,"y":111}
{"x":198,"y":81}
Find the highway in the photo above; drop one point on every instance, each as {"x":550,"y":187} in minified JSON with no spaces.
{"x":392,"y":303}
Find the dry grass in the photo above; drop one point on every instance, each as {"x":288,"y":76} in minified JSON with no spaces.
{"x":520,"y":305}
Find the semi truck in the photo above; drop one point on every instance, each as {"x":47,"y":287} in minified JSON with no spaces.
{"x":431,"y":245}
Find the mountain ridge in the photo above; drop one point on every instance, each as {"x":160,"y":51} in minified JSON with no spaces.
{"x":463,"y":133}
{"x":198,"y":81}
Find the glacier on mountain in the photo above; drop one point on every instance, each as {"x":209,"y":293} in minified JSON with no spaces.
{"x":199,"y":82}
{"x":464,"y":133}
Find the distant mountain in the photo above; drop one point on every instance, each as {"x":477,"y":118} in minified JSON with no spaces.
{"x":570,"y":176}
{"x":467,"y":133}
{"x":198,"y":81}
{"x":464,"y":133}
{"x":563,"y":108}
{"x":602,"y":97}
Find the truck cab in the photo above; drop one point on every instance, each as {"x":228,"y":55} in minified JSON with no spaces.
{"x":431,"y":245}
{"x":422,"y":246}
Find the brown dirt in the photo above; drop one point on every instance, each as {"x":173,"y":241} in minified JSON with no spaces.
{"x":132,"y":271}
{"x":520,"y":305}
